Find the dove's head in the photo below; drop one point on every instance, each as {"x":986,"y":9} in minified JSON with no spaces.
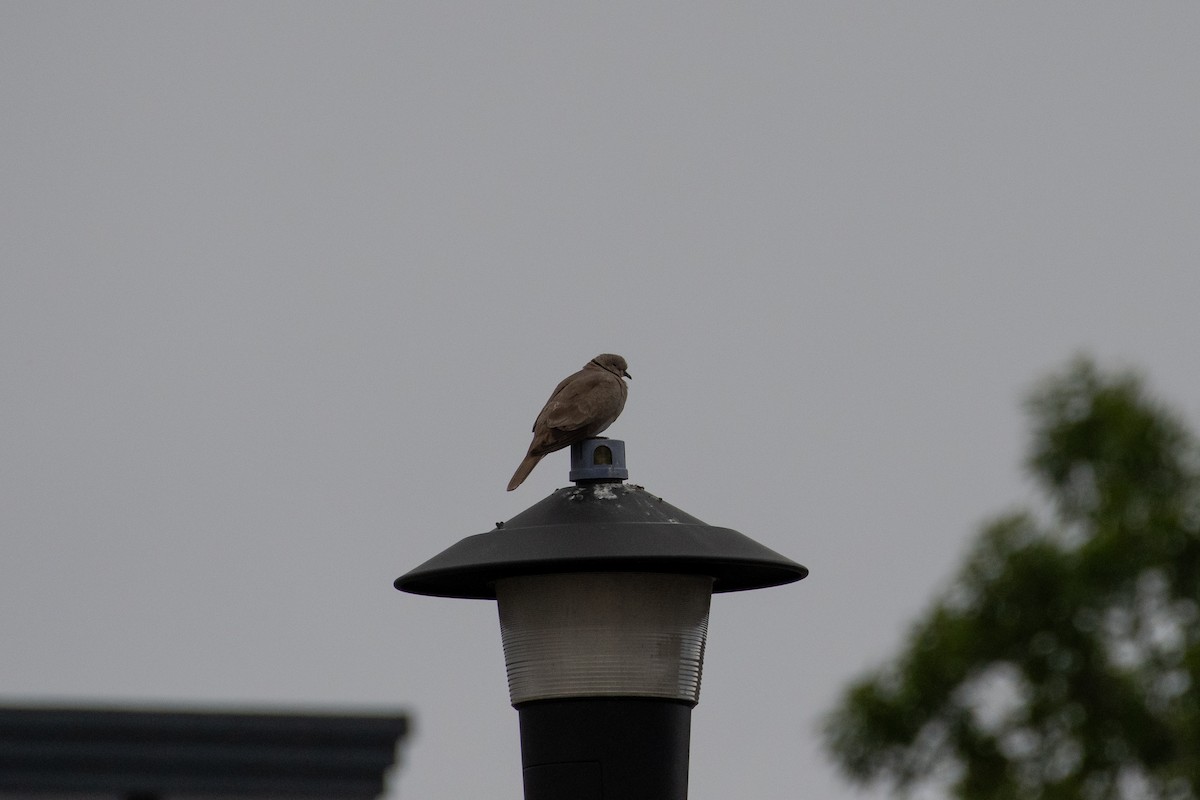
{"x":613,"y":363}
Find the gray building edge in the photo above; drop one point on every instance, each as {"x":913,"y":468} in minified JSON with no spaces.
{"x":142,"y":754}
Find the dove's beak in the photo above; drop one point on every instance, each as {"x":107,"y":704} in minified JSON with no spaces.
{"x":627,"y":375}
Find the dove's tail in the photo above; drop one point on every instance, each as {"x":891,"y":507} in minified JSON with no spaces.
{"x":527,"y":464}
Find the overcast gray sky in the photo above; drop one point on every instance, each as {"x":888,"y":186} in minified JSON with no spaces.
{"x":283,"y":285}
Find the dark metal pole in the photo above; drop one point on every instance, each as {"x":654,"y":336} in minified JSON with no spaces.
{"x":605,"y":749}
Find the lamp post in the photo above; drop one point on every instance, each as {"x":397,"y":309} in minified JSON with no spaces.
{"x":603,"y":592}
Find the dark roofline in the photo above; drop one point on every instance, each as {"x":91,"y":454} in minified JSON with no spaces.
{"x":332,"y":755}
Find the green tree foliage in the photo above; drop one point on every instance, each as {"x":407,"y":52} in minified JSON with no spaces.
{"x":1063,"y":662}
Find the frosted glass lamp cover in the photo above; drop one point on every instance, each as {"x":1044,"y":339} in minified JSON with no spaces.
{"x":604,"y":634}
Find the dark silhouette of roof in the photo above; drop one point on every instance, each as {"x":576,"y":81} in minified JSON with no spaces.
{"x":151,"y":753}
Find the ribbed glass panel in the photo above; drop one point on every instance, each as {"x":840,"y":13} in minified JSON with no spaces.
{"x":604,"y":634}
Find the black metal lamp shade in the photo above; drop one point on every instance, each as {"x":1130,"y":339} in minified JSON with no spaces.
{"x":600,"y":527}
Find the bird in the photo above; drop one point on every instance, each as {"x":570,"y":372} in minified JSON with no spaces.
{"x":582,"y":406}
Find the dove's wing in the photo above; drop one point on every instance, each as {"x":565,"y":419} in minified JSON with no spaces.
{"x":581,"y":400}
{"x":554,"y":399}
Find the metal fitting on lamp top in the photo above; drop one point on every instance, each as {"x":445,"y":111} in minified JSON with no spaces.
{"x":598,"y":460}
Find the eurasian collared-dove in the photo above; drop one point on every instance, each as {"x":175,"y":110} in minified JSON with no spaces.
{"x":581,"y":406}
